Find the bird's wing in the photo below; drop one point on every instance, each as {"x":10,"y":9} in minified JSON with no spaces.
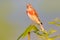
{"x":35,"y":13}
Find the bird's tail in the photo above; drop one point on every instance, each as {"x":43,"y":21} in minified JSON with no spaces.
{"x":41,"y":27}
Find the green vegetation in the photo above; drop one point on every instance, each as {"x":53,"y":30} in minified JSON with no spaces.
{"x":43,"y":35}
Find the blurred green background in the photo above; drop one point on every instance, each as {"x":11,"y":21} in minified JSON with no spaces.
{"x":13,"y":18}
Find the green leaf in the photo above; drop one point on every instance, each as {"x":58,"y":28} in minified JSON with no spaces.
{"x":51,"y":31}
{"x":20,"y":36}
{"x":57,"y":24}
{"x":29,"y":29}
{"x":38,"y":33}
{"x":53,"y":22}
{"x":50,"y":39}
{"x":54,"y":37}
{"x":41,"y":34}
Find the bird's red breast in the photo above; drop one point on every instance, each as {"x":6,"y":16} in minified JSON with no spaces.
{"x":31,"y":10}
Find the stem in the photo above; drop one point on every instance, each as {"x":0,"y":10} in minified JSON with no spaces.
{"x":28,"y":35}
{"x":46,"y":38}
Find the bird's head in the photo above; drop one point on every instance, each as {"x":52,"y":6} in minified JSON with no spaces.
{"x":29,"y":5}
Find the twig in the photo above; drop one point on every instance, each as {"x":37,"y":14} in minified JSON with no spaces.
{"x":28,"y":35}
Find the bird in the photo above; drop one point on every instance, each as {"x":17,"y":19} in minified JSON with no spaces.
{"x":33,"y":15}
